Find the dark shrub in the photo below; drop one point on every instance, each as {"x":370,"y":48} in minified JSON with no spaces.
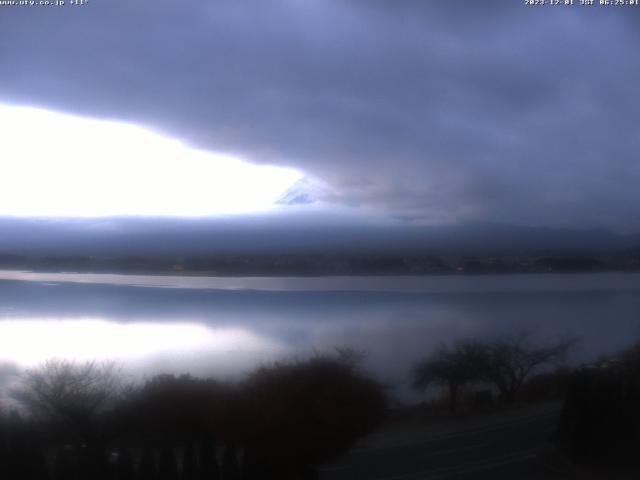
{"x":189,"y":463}
{"x":167,"y":467}
{"x":600,"y":421}
{"x":125,"y":469}
{"x":148,"y":468}
{"x":209,"y":469}
{"x":230,"y":467}
{"x":546,"y":386}
{"x":298,"y":414}
{"x":177,"y":409}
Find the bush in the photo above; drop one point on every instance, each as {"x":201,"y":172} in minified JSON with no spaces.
{"x":600,"y":421}
{"x":309,"y":412}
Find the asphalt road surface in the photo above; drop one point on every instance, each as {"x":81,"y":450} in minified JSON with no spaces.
{"x":496,"y":447}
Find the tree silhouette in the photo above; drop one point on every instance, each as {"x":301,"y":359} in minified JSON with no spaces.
{"x":508,"y":362}
{"x":280,"y":423}
{"x":71,"y":393}
{"x":452,"y":367}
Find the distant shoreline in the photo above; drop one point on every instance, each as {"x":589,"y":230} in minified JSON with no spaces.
{"x":347,"y":264}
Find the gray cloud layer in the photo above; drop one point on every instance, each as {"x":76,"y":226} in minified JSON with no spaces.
{"x":490,"y":111}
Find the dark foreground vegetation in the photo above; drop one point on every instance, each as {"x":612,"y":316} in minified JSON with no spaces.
{"x":599,"y":425}
{"x":279,"y":423}
{"x":76,"y":421}
{"x":504,"y":365}
{"x":600,"y":421}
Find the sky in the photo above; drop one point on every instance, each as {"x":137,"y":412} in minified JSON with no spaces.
{"x":413,"y":112}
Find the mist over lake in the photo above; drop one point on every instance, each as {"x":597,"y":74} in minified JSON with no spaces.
{"x":226,"y":326}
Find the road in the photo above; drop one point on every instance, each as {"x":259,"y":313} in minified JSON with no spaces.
{"x":496,"y":447}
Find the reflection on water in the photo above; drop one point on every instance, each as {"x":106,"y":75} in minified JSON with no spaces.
{"x":205,"y":329}
{"x":29,"y":342}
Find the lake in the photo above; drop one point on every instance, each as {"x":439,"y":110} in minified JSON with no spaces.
{"x":225,"y":326}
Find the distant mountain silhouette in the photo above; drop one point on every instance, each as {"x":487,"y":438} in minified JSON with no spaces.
{"x":239,"y":235}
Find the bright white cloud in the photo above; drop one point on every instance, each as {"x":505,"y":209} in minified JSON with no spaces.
{"x":54,"y":164}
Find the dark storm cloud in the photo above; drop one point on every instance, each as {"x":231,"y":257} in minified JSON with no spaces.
{"x":425,"y":110}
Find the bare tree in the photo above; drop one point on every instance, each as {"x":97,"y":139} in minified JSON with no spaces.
{"x":351,"y":356}
{"x":70,"y":392}
{"x":508,"y":362}
{"x":452,"y":367}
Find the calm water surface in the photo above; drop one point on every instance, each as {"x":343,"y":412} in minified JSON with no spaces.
{"x":225,"y":326}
